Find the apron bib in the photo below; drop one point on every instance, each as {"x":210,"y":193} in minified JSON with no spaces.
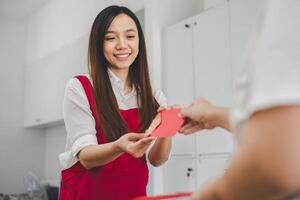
{"x":122,"y":179}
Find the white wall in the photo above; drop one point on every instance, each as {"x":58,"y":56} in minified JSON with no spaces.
{"x":21,"y":150}
{"x":62,"y":22}
{"x":55,"y":144}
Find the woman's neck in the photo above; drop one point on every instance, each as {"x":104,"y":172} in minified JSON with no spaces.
{"x":123,"y":75}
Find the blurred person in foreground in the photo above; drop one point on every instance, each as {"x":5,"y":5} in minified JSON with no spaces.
{"x":266,"y":115}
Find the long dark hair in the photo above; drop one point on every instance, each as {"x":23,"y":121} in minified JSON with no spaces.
{"x":107,"y":110}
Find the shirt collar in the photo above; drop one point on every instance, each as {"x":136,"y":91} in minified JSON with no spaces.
{"x":115,"y":80}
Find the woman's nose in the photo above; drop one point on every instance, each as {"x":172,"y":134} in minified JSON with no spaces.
{"x":121,"y":43}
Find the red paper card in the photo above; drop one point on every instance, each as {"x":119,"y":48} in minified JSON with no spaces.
{"x":170,"y":123}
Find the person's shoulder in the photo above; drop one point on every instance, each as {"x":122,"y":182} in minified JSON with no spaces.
{"x":157,"y":92}
{"x":74,"y":83}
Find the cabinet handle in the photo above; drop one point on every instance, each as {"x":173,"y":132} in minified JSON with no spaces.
{"x":188,"y":174}
{"x":190,"y":169}
{"x":187,"y":26}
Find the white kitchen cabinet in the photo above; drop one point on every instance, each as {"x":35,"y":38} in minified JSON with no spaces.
{"x":179,"y":175}
{"x":213,"y":74}
{"x":197,"y":62}
{"x":191,"y":69}
{"x":45,"y":82}
{"x":178,"y":69}
{"x":211,"y":166}
{"x":32,"y":115}
{"x":202,"y":57}
{"x":212,"y":56}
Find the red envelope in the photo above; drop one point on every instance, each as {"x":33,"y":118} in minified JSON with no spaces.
{"x":170,"y":123}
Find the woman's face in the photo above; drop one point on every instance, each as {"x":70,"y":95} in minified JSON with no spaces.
{"x":121,"y":42}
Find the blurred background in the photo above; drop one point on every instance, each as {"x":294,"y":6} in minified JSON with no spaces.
{"x":195,"y":48}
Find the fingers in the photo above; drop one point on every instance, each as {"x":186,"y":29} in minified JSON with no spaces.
{"x":191,"y":127}
{"x":139,"y":148}
{"x":136,"y":136}
{"x":185,"y":112}
{"x":145,"y":141}
{"x":187,"y":126}
{"x":192,"y":130}
{"x":175,"y":106}
{"x":161,"y":109}
{"x":156,"y":121}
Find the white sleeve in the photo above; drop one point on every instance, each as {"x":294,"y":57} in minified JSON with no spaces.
{"x":275,"y":74}
{"x":160,"y":98}
{"x":162,"y":101}
{"x":79,"y":121}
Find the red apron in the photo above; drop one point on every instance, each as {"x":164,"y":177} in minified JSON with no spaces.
{"x":122,"y":179}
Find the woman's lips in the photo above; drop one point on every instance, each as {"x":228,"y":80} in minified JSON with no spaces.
{"x":122,"y":57}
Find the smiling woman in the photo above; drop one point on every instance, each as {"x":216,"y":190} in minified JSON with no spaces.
{"x":107,"y":112}
{"x":121,"y":44}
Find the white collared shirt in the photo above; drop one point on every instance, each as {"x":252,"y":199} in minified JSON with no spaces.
{"x":78,"y":118}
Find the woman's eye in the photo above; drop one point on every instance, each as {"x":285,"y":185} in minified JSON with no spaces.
{"x":109,"y":38}
{"x":131,"y":36}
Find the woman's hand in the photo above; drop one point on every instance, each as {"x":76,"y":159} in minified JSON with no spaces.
{"x":160,"y":151}
{"x":157,"y":120}
{"x":135,"y":144}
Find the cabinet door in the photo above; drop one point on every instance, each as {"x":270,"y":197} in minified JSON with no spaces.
{"x":178,"y":70}
{"x":213,"y":72}
{"x":31,"y":96}
{"x":52,"y":91}
{"x":244,"y":15}
{"x":179,"y":175}
{"x":54,"y":72}
{"x":211,"y":166}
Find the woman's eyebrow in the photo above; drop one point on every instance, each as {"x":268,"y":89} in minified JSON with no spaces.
{"x":131,"y":30}
{"x":128,"y":30}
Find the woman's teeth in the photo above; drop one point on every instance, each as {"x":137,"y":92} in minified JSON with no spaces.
{"x":122,"y":57}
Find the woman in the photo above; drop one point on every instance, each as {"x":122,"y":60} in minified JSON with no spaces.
{"x":107,"y":113}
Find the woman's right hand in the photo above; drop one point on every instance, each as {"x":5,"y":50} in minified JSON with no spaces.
{"x":135,"y":144}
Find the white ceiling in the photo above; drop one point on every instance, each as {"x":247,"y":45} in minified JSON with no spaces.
{"x":18,"y":9}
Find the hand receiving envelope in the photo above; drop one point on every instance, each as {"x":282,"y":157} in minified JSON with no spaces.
{"x":167,"y":123}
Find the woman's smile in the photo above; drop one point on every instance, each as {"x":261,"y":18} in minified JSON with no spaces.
{"x":122,"y":56}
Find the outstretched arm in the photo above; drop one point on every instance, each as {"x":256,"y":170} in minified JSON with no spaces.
{"x":267,"y":164}
{"x":135,"y":144}
{"x":201,"y":114}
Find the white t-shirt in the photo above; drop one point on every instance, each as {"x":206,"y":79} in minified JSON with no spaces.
{"x":271,"y":76}
{"x":78,"y":118}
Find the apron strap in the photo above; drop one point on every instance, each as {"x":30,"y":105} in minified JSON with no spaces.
{"x":88,"y":88}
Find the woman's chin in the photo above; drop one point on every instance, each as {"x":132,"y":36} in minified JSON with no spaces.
{"x":122,"y":66}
